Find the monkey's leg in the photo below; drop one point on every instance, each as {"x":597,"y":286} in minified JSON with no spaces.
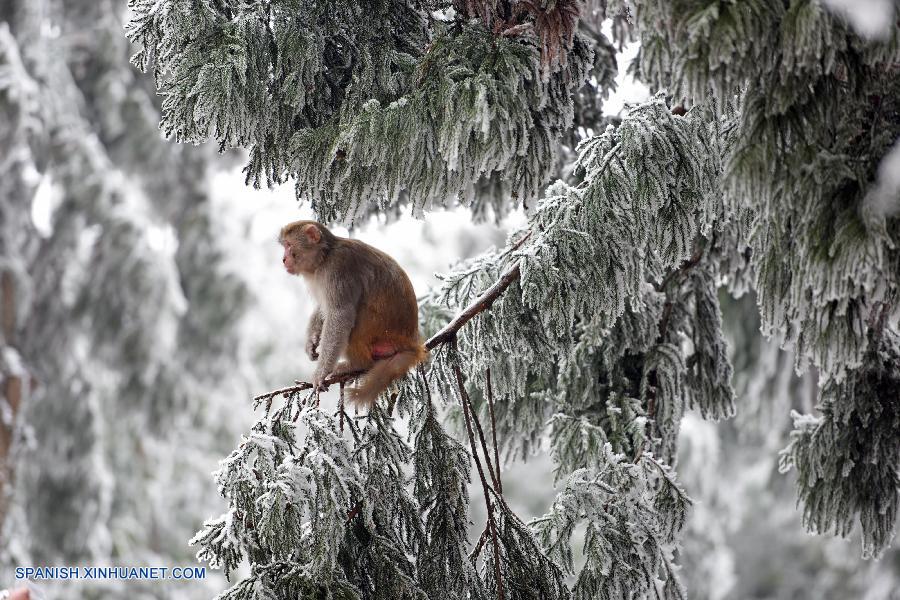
{"x":345,"y":367}
{"x":357,"y":357}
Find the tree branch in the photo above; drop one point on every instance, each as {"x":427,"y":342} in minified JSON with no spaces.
{"x":663,"y":326}
{"x":477,"y":306}
{"x":481,"y":304}
{"x":685,"y":266}
{"x":490,"y":399}
{"x":305,"y":385}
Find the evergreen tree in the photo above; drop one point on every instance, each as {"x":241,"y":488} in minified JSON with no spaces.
{"x":104,"y":320}
{"x":756,"y":165}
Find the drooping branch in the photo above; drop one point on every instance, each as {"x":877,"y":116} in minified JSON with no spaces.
{"x":491,"y":524}
{"x":493,"y":471}
{"x":663,"y":327}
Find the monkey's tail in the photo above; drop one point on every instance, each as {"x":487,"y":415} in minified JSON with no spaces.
{"x":382,"y":373}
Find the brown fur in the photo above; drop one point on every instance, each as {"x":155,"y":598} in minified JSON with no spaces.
{"x":367,"y":303}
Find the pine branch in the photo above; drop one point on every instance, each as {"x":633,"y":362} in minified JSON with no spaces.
{"x":476,"y":307}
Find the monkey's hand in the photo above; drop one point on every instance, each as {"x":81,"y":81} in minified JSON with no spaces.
{"x":319,"y":377}
{"x":312,"y":347}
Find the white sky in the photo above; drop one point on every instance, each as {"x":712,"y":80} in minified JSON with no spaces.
{"x":870,"y":18}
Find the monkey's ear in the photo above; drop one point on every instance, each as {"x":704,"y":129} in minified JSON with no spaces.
{"x":312,"y":233}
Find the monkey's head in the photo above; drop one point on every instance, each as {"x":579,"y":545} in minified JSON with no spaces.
{"x":306,"y":244}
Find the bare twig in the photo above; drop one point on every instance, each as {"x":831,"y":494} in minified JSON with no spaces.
{"x":518,"y":243}
{"x":495,"y":475}
{"x":490,"y":399}
{"x":341,"y":408}
{"x":305,"y":385}
{"x":464,"y":400}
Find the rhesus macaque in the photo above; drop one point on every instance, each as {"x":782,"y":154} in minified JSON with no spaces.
{"x":366,"y":309}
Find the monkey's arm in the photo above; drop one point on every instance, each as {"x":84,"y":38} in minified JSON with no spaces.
{"x":314,"y":334}
{"x":342,"y":293}
{"x":335,"y":334}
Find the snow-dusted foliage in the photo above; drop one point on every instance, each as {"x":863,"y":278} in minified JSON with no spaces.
{"x":632,"y":509}
{"x":599,"y":324}
{"x":847,"y":458}
{"x":107,"y":245}
{"x":367,"y":102}
{"x":317,"y":511}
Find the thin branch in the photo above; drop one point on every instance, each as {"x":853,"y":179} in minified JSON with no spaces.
{"x":305,"y":385}
{"x":464,"y":400}
{"x":484,"y":449}
{"x":517,"y":245}
{"x":473,"y":556}
{"x":481,"y":304}
{"x":685,"y":266}
{"x":341,"y":408}
{"x":490,"y":398}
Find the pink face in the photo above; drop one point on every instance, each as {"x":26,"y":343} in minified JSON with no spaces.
{"x":288,"y":259}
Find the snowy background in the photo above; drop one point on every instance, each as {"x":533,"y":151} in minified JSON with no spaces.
{"x":744,"y":539}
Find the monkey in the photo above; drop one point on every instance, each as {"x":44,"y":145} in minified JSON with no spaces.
{"x":366,"y":309}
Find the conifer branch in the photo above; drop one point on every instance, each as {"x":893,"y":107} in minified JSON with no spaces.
{"x":663,"y":326}
{"x":481,"y":304}
{"x":477,"y":306}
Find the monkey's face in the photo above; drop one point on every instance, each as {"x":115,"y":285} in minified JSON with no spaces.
{"x":303,"y":247}
{"x":293,"y":257}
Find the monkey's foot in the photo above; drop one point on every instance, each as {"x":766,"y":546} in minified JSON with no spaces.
{"x":343,"y":369}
